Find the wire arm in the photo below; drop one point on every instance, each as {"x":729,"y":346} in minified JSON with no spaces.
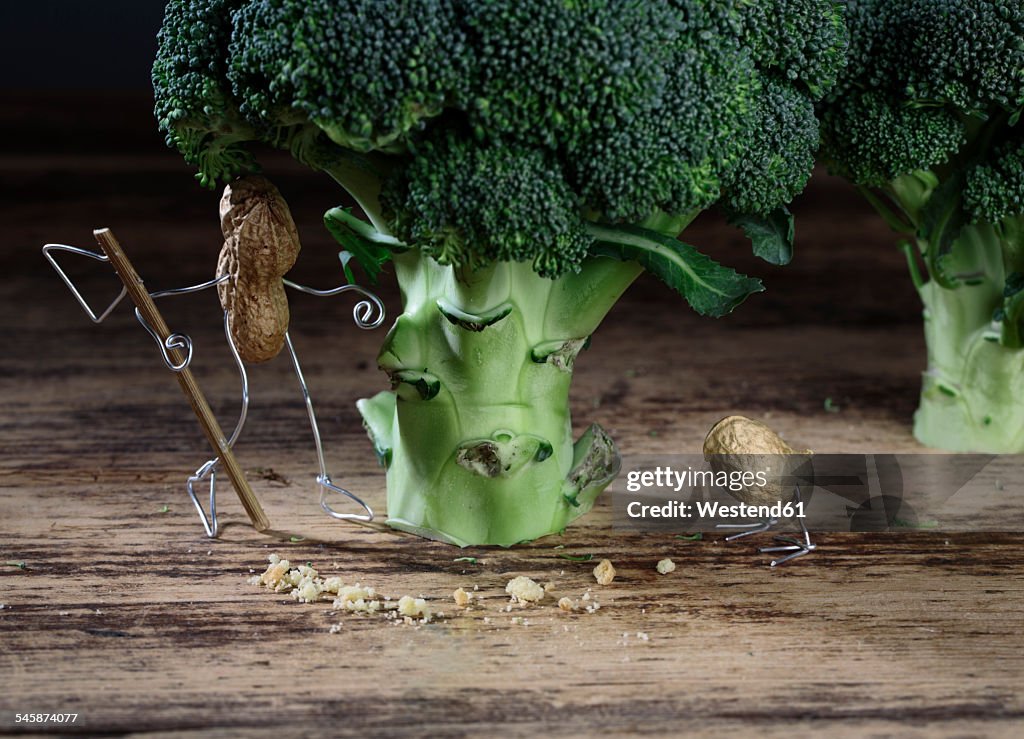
{"x":367,"y":314}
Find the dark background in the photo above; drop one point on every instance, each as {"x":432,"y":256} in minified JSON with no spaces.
{"x":78,"y":44}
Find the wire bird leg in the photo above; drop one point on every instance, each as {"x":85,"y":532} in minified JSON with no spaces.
{"x":367,"y":314}
{"x":795,"y":547}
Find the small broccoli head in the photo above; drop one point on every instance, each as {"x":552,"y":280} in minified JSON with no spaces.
{"x":803,"y":42}
{"x":969,"y":53}
{"x":552,"y":73}
{"x":735,"y":112}
{"x":673,"y":157}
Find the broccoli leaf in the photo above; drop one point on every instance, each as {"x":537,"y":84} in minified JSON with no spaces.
{"x":361,"y":242}
{"x":771,"y":235}
{"x":709,"y":288}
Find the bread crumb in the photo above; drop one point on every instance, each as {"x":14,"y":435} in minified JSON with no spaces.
{"x":524,"y":590}
{"x":567,"y":605}
{"x":335,"y":628}
{"x":604,"y":573}
{"x":357,"y":598}
{"x":304,"y":584}
{"x":414,"y":608}
{"x":275,"y":572}
{"x":642,"y":636}
{"x":666,"y":566}
{"x":462,"y":598}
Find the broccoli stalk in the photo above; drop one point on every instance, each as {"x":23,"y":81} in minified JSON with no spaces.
{"x":972,"y":390}
{"x":478,"y":444}
{"x":520,"y":163}
{"x":935,"y":148}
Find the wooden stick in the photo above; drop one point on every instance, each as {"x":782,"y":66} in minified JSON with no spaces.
{"x":140,"y":296}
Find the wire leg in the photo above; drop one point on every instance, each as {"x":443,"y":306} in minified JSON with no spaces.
{"x":323,"y":480}
{"x":750,"y":528}
{"x":793,"y":547}
{"x":209,"y":468}
{"x":796,"y":547}
{"x":209,"y":523}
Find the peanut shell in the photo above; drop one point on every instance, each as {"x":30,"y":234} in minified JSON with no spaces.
{"x":740,"y":444}
{"x":261,"y":243}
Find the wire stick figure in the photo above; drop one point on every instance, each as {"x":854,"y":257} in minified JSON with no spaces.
{"x":176,"y":349}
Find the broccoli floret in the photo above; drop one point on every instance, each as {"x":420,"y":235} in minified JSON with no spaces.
{"x":927,"y":83}
{"x":554,"y":73}
{"x":995,"y":189}
{"x":194,"y":104}
{"x":779,"y":155}
{"x":871,"y":139}
{"x":366,"y":72}
{"x":509,"y":201}
{"x":802,"y":41}
{"x":672,"y":158}
{"x":966,"y":52}
{"x":799,"y":47}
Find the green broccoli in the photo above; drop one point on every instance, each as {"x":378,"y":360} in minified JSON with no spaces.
{"x":520,"y":163}
{"x":925,"y":122}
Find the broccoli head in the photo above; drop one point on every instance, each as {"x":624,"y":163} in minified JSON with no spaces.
{"x":621,"y":110}
{"x":923,"y":79}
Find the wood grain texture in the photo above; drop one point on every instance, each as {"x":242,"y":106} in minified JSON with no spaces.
{"x":131,"y":618}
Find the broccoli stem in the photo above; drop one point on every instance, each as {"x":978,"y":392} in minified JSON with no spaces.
{"x":476,"y":434}
{"x":360,"y":176}
{"x":972,"y":397}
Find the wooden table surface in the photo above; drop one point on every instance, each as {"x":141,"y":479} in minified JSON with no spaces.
{"x":125,"y":614}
